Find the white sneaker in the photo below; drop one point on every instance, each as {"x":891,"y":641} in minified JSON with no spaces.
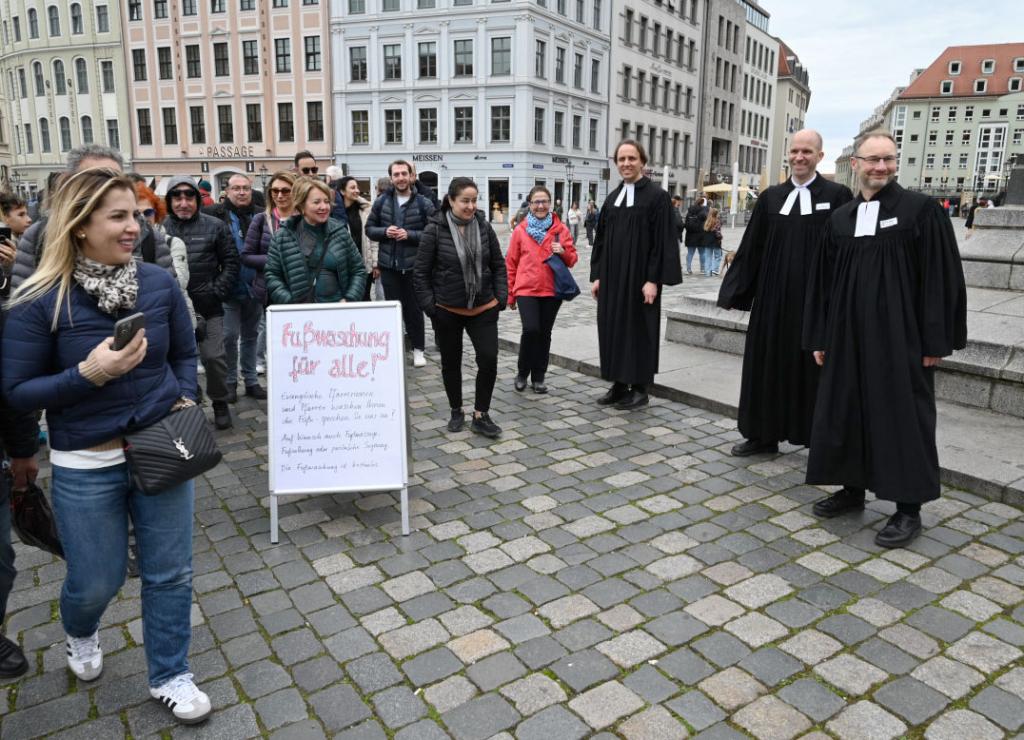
{"x":418,"y":360}
{"x":85,"y":659}
{"x":187,"y":703}
{"x":200,"y":370}
{"x":261,"y":369}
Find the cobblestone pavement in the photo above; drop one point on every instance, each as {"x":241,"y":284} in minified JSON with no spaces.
{"x":591,"y":574}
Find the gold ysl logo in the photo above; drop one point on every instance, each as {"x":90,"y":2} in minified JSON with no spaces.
{"x":182,"y":449}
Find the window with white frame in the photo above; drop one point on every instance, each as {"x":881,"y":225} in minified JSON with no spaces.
{"x":980,"y":86}
{"x":463,"y":124}
{"x":946,"y":88}
{"x":501,"y":123}
{"x":988,"y":66}
{"x":1015,"y":84}
{"x":954,"y":67}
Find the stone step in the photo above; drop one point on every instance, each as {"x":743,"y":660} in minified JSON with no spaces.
{"x":979,"y":450}
{"x":987,"y":374}
{"x":993,"y":256}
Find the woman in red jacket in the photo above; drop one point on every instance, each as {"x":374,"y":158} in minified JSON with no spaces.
{"x":531,"y":283}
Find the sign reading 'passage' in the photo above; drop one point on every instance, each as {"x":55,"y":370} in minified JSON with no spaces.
{"x":336,"y":378}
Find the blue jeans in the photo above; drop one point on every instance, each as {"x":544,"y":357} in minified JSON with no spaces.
{"x":242,"y":319}
{"x":711,"y":259}
{"x":92,"y":509}
{"x":689,"y":257}
{"x":7,"y":570}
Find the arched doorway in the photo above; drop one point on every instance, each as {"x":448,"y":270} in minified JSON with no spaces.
{"x":429,"y":179}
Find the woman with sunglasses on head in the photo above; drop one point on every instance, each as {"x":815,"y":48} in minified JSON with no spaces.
{"x":461,"y":284}
{"x":58,"y":354}
{"x":531,"y":284}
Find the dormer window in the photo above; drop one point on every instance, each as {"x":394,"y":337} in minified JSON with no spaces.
{"x":954,"y":68}
{"x":980,"y":86}
{"x":988,"y":66}
{"x":1015,"y":84}
{"x":946,"y":88}
{"x":1018,"y":64}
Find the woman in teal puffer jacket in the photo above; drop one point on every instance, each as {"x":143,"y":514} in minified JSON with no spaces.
{"x":312,"y":257}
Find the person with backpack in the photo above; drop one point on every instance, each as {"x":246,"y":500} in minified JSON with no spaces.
{"x":396,"y":221}
{"x":696,"y":215}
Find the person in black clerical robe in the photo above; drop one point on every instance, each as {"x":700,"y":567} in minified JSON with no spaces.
{"x":768,"y":277}
{"x":635,"y":253}
{"x":887,"y":300}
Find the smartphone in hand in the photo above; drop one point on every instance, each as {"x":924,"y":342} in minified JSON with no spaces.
{"x":126,"y":329}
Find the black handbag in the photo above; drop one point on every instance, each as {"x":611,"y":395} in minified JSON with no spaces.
{"x":175,"y":449}
{"x":32,"y":518}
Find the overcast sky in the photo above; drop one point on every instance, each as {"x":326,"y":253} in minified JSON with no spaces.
{"x":857,"y":52}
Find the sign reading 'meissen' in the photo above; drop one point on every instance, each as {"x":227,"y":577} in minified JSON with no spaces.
{"x":336,"y":400}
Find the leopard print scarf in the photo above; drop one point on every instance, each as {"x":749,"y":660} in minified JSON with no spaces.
{"x":114,"y":287}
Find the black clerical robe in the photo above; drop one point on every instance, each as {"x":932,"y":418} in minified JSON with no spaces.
{"x":877,"y":305}
{"x":768,"y":277}
{"x":633,"y":245}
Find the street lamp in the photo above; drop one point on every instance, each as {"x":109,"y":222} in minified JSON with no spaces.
{"x":263,"y":175}
{"x":16,"y":181}
{"x":570,"y":170}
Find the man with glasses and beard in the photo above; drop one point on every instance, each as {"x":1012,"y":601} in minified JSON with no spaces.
{"x":305,"y":164}
{"x":886,"y":302}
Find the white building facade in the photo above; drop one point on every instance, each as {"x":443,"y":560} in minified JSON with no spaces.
{"x":654,"y":84}
{"x":62,"y":68}
{"x":793,"y":95}
{"x":757,"y":109}
{"x":512,"y":94}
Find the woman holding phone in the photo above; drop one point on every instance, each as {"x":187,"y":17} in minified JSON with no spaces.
{"x":58,"y":354}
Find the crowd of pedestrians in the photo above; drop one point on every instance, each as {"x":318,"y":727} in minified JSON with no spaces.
{"x":202,"y":274}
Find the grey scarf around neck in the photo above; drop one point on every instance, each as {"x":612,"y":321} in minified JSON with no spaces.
{"x":467,"y":245}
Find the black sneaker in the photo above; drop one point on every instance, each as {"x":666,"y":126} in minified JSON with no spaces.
{"x":483,"y":425}
{"x":754,"y":447}
{"x":221,"y":415}
{"x":900,"y":530}
{"x":12,"y":660}
{"x":457,"y":422}
{"x":840,"y":502}
{"x":256,"y":391}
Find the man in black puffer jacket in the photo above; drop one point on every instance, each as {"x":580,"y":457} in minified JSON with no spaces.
{"x":213,"y":269}
{"x":396,"y":221}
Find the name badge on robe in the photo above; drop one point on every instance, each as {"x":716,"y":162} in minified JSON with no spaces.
{"x":822,"y":206}
{"x":867,"y":219}
{"x":887,"y":223}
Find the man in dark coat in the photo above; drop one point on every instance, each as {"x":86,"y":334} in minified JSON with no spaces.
{"x":635,"y":254}
{"x":213,"y":270}
{"x":396,"y":221}
{"x":243,"y":312}
{"x":887,"y":301}
{"x":768,"y":277}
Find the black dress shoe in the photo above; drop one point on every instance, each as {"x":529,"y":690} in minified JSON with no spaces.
{"x":633,"y":400}
{"x":540,"y":387}
{"x":232,"y":395}
{"x":616,"y":393}
{"x":900,"y":530}
{"x":12,"y":660}
{"x":221,"y":415}
{"x":520,"y":383}
{"x":840,"y":502}
{"x":256,"y":391}
{"x":457,"y":422}
{"x":754,"y":447}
